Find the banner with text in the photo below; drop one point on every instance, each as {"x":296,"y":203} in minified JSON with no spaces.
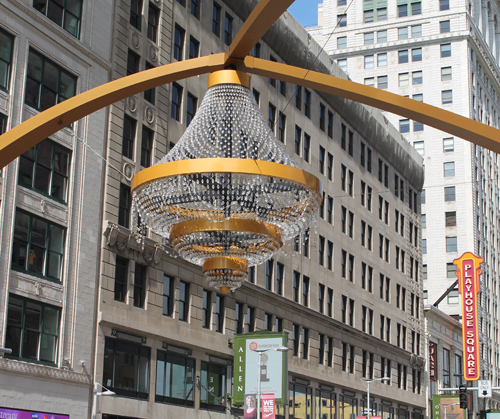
{"x":468,"y":271}
{"x":268,"y":406}
{"x":274,"y":366}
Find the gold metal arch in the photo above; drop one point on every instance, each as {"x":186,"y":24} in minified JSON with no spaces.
{"x":26,"y":135}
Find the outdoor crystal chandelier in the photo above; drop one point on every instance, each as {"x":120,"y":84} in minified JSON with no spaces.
{"x":227,"y":196}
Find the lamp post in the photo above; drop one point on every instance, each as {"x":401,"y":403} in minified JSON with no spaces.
{"x":259,"y":371}
{"x":96,"y":393}
{"x":367,"y":382}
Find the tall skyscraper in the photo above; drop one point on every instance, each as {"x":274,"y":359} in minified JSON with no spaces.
{"x":445,"y":54}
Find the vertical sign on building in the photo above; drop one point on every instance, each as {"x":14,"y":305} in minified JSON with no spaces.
{"x":468,"y":271}
{"x":432,"y":361}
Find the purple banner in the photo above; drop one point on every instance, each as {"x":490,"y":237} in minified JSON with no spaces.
{"x":24,"y":414}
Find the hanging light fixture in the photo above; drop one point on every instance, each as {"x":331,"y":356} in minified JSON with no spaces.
{"x":227,"y":196}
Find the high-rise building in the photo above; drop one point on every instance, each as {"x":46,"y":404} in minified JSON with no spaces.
{"x":445,"y":54}
{"x":51,"y":208}
{"x":134,"y":318}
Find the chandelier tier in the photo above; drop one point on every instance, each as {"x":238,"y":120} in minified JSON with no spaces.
{"x":227,"y":195}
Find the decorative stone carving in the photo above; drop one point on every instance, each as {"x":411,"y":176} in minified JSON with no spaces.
{"x":149,"y":114}
{"x":135,"y":40}
{"x":132,"y":103}
{"x":153,"y":53}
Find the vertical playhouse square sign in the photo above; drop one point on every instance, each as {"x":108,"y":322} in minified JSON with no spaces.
{"x":468,"y":271}
{"x":274,"y":367}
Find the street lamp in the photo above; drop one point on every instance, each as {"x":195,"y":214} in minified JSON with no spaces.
{"x":108,"y":392}
{"x":259,"y":371}
{"x":367,"y":382}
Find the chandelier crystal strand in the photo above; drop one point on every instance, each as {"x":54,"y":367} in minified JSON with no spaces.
{"x":227,"y":195}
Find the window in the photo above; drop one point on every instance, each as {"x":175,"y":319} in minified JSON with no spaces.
{"x":175,"y":109}
{"x":342,"y":20}
{"x":296,"y":286}
{"x":321,"y":251}
{"x":129,"y":129}
{"x":192,"y":104}
{"x":282,"y":127}
{"x":350,"y":143}
{"x":351,"y":183}
{"x":307,"y":146}
{"x":179,"y":35}
{"x":445,"y":50}
{"x":419,"y":146}
{"x":146,"y":146}
{"x":269,"y":274}
{"x":329,"y":163}
{"x":135,"y":12}
{"x":444,"y":26}
{"x":368,"y":16}
{"x":47,"y":84}
{"x":449,"y":193}
{"x":175,"y":378}
{"x":124,"y":206}
{"x":368,"y":61}
{"x":298,"y":134}
{"x":404,"y":126}
{"x":451,"y":221}
{"x":45,"y":168}
{"x":403,"y":33}
{"x":3,"y":124}
{"x":446,"y":73}
{"x":183,"y":301}
{"x":38,"y":246}
{"x":448,"y":145}
{"x":280,"y":270}
{"x":206,"y":309}
{"x":32,"y":330}
{"x":66,"y":14}
{"x":341,"y":42}
{"x":153,"y":20}
{"x":416,"y":31}
{"x":416,"y":8}
{"x":126,"y":368}
{"x":7,"y":45}
{"x":382,"y":82}
{"x":295,"y":332}
{"x":213,"y":377}
{"x":416,"y":54}
{"x":342,"y":63}
{"x":140,"y":278}
{"x":216,"y":13}
{"x":417,"y":126}
{"x":168,"y":294}
{"x":403,"y":79}
{"x":444,"y":4}
{"x":369,"y":81}
{"x":382,"y":36}
{"x":321,"y":298}
{"x":330,"y":255}
{"x":382,"y":15}
{"x":298,"y":97}
{"x":403,"y":10}
{"x":195,"y":8}
{"x":305,"y":343}
{"x":417,"y":77}
{"x":256,"y":50}
{"x":403,"y":56}
{"x":451,"y":244}
{"x":447,"y":96}
{"x":369,"y":38}
{"x":228,"y":29}
{"x":449,"y":168}
{"x":194,"y":48}
{"x":382,"y":59}
{"x":418,"y":97}
{"x":238,"y":318}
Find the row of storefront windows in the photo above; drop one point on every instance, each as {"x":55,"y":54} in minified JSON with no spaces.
{"x":127,"y":368}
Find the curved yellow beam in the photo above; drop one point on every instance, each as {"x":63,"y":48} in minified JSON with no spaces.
{"x":452,"y":123}
{"x":26,"y":135}
{"x":258,"y":22}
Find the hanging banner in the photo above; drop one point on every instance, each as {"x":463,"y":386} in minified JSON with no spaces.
{"x":273,"y":374}
{"x":447,"y":407}
{"x":468,"y":271}
{"x":432,"y":361}
{"x":268,"y":406}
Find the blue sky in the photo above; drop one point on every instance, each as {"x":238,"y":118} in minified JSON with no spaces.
{"x":305,"y":11}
